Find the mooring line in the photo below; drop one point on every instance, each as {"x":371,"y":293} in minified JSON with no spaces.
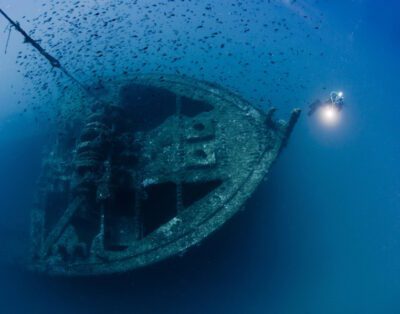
{"x":51,"y":59}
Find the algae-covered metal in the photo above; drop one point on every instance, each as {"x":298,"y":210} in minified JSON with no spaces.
{"x":150,"y":171}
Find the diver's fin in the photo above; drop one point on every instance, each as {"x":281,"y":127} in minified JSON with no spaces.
{"x":313,"y":107}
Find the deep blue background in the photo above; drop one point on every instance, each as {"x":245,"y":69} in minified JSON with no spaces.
{"x":321,"y":236}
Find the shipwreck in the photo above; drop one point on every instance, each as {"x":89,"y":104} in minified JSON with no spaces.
{"x":152,"y":169}
{"x":143,"y":168}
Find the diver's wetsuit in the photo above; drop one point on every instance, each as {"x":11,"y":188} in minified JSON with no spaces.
{"x":335,"y":99}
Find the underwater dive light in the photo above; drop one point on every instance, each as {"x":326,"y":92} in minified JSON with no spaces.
{"x":329,"y":115}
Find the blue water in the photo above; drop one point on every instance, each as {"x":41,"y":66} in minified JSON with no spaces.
{"x":322,"y":235}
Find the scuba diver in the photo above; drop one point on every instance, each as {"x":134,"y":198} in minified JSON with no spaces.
{"x":335,"y":99}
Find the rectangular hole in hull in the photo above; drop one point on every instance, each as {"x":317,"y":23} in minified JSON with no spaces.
{"x":159,"y":207}
{"x":120,"y":230}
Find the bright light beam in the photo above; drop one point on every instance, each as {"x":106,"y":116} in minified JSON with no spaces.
{"x":329,"y":115}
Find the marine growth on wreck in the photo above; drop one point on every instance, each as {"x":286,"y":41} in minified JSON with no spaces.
{"x":150,"y":170}
{"x":144,"y":167}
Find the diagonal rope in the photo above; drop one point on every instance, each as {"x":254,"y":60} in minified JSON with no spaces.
{"x":52,"y":60}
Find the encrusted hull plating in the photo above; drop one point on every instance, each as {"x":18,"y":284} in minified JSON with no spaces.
{"x":149,"y":172}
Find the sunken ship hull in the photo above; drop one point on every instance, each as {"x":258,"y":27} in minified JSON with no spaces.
{"x":151,"y":170}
